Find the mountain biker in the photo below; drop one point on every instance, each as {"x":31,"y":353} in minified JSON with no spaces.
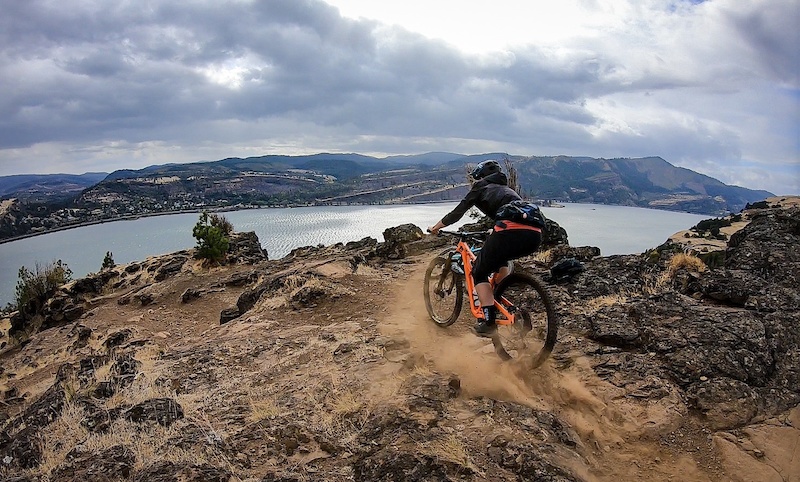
{"x":508,"y":239}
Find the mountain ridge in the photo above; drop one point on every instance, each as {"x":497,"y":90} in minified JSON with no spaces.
{"x":351,"y":178}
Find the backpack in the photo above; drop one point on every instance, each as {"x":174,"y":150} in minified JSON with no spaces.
{"x":524,"y":212}
{"x":566,"y":269}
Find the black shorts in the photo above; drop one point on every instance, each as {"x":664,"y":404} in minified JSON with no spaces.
{"x":501,"y":247}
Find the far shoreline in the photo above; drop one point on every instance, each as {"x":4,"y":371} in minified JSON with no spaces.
{"x":132,"y":217}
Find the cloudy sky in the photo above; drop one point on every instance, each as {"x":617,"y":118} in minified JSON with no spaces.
{"x":99,"y":85}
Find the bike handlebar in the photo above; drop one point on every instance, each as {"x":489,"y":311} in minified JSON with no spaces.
{"x":476,"y":235}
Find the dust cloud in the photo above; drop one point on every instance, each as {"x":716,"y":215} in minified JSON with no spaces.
{"x":610,"y":427}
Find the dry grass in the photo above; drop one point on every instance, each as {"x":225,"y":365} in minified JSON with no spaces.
{"x":345,"y":403}
{"x":369,"y":271}
{"x":679,"y":261}
{"x":294,"y":284}
{"x":449,"y":448}
{"x":58,"y":438}
{"x":345,"y":414}
{"x":544,"y":258}
{"x":144,"y":386}
{"x":275,"y":302}
{"x":146,"y":442}
{"x":596,"y":304}
{"x":423,"y":370}
{"x":262,"y":408}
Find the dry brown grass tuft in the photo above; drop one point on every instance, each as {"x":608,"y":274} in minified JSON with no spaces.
{"x":681,"y":261}
{"x":449,"y":448}
{"x":689,"y":262}
{"x":423,"y":370}
{"x":294,"y":284}
{"x":346,"y":403}
{"x":58,"y":438}
{"x":149,"y":384}
{"x":147,"y":442}
{"x":262,"y":408}
{"x":596,"y":304}
{"x":345,"y":414}
{"x":543,"y":257}
{"x":369,"y":271}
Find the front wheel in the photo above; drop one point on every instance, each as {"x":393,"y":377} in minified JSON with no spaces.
{"x":443,"y":291}
{"x":535,"y":326}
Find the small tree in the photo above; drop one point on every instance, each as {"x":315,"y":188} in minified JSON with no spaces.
{"x":108,"y":261}
{"x":40,"y":284}
{"x":212,"y":243}
{"x":220,"y":221}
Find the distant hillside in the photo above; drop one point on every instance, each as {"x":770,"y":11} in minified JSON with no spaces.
{"x":52,"y":202}
{"x":646,"y":182}
{"x":353,"y":178}
{"x":27,"y":185}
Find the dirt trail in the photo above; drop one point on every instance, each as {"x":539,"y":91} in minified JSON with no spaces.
{"x":613,"y":431}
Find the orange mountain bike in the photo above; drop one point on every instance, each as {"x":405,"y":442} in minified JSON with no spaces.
{"x":526,"y":317}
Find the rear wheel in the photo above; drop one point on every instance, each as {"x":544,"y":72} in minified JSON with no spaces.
{"x":533,"y":333}
{"x":443,"y":291}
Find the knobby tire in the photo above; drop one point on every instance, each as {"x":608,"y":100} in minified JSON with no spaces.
{"x":444,"y":292}
{"x":535,"y":329}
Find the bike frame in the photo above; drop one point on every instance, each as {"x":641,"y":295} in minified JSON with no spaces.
{"x":502,"y":305}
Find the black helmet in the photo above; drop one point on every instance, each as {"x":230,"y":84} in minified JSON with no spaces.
{"x":484,"y":169}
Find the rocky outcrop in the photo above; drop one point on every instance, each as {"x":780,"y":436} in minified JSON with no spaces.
{"x":245,"y":248}
{"x":69,"y":302}
{"x":728,"y":337}
{"x":304,"y":382}
{"x":396,"y":240}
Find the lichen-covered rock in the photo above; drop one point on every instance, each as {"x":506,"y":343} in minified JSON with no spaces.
{"x":165,"y":471}
{"x":109,"y":465}
{"x":164,"y":411}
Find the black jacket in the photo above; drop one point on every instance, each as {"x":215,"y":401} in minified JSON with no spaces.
{"x":488,"y":195}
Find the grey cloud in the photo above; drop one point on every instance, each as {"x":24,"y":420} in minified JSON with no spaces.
{"x":139,"y":66}
{"x":92,"y":73}
{"x":772,"y":33}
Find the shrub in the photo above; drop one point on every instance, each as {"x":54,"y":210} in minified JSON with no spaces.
{"x":108,"y":261}
{"x":212,"y":243}
{"x":711,"y":225}
{"x":41,"y":283}
{"x":757,"y":205}
{"x":685,"y":261}
{"x":221,"y":222}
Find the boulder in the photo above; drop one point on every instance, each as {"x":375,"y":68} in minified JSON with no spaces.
{"x":554,"y":235}
{"x":109,"y":465}
{"x":396,"y":240}
{"x":245,"y":248}
{"x":164,"y":411}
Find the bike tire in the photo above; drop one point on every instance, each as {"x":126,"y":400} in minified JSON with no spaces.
{"x":444,"y":292}
{"x":535,"y":329}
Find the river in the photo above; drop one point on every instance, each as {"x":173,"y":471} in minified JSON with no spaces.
{"x":614,"y":229}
